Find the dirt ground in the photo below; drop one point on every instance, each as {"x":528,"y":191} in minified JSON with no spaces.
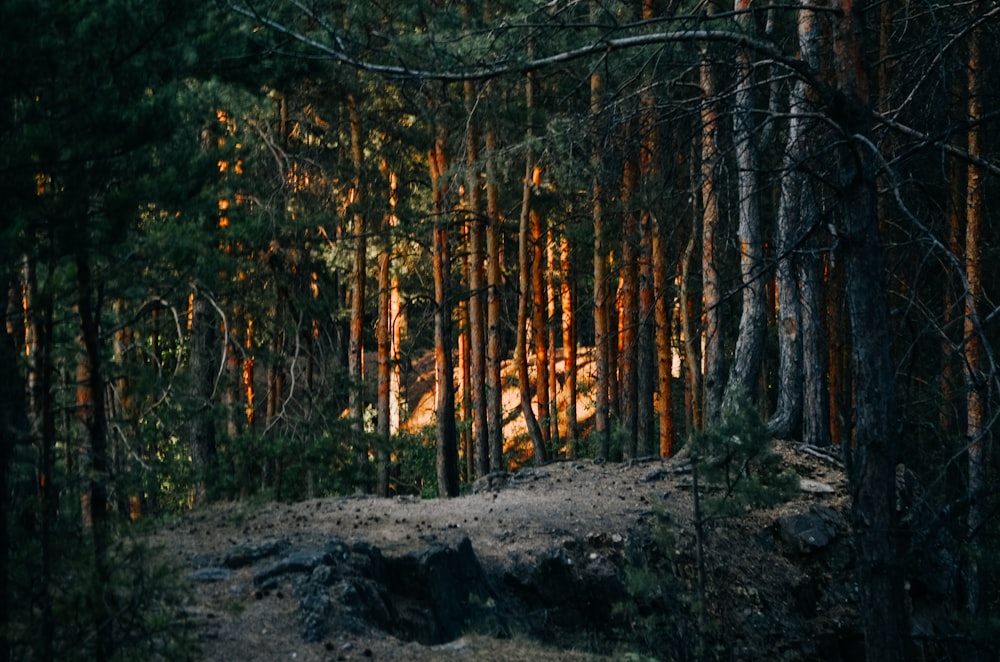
{"x":508,"y":522}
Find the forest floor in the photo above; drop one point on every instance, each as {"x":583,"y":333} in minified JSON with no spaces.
{"x":771,"y":596}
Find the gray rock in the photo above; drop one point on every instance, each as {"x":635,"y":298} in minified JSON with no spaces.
{"x":252,"y":552}
{"x":208,"y":575}
{"x":806,"y":532}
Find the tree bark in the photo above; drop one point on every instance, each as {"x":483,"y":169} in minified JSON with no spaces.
{"x":524,"y":291}
{"x":94,"y":416}
{"x":977,"y":430}
{"x":202,"y":365}
{"x":568,"y":303}
{"x":539,"y":321}
{"x":383,"y":341}
{"x":711,"y":298}
{"x":744,"y":375}
{"x":628,"y":300}
{"x":876,"y":452}
{"x":355,"y":343}
{"x":477,"y":287}
{"x":786,"y":420}
{"x":494,"y":283}
{"x":444,"y":376}
{"x":602,"y":329}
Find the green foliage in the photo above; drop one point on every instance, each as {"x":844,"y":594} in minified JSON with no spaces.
{"x":658,"y":617}
{"x":415,"y":465}
{"x":736,"y":458}
{"x":149,"y":599}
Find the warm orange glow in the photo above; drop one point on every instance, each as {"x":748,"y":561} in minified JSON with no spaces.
{"x":223,"y":221}
{"x":238,"y":167}
{"x":223,"y":204}
{"x":42,"y":182}
{"x":223,"y":166}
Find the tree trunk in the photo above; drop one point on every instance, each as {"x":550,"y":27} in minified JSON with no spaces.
{"x":977,"y":430}
{"x":444,"y":376}
{"x":539,"y":322}
{"x":567,"y":303}
{"x":355,"y":349}
{"x":494,"y":283}
{"x":202,"y":364}
{"x":12,"y":432}
{"x":692,"y":357}
{"x":815,"y":407}
{"x":787,"y":417}
{"x":94,"y":417}
{"x":744,"y":374}
{"x":602,"y":329}
{"x":628,"y":300}
{"x":477,"y":287}
{"x":876,"y":453}
{"x":524,"y":291}
{"x":383,"y":341}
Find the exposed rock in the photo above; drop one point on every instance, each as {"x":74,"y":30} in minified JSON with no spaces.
{"x":210,"y":575}
{"x":809,"y":532}
{"x":445,"y":588}
{"x":815,"y":487}
{"x":252,"y":552}
{"x":294,"y":562}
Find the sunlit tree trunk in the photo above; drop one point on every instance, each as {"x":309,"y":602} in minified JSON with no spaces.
{"x":567,"y":295}
{"x":355,"y":349}
{"x":976,"y":378}
{"x":602,"y":329}
{"x":744,"y":375}
{"x":477,"y":287}
{"x":524,"y":290}
{"x":714,"y":381}
{"x":383,"y":340}
{"x":539,"y":322}
{"x":628,"y":300}
{"x":494,"y":283}
{"x":552,"y":332}
{"x":444,"y":376}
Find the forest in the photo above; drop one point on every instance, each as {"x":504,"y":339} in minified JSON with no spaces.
{"x":240,"y":241}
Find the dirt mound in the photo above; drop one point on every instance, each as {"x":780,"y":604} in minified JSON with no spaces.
{"x":528,"y":566}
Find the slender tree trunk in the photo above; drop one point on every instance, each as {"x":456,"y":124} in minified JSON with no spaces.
{"x":12,"y":408}
{"x":950,"y":364}
{"x":521,"y":343}
{"x":568,"y":303}
{"x":744,"y":375}
{"x":602,"y":329}
{"x":692,"y":357}
{"x":628,"y":301}
{"x":94,"y":416}
{"x":539,"y":323}
{"x":714,"y":382}
{"x":477,"y":287}
{"x":202,"y":365}
{"x":444,"y":376}
{"x":355,"y":349}
{"x":552,"y":331}
{"x":976,"y":379}
{"x":494,"y":283}
{"x":663,"y":311}
{"x":383,"y":341}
